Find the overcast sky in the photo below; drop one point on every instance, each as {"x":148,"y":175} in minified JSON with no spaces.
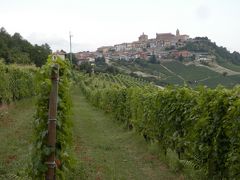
{"x":95,"y":23}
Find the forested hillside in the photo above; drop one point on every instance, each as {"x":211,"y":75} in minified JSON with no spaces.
{"x":203,"y":44}
{"x":15,"y":49}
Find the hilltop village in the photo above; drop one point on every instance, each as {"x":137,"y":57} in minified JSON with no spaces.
{"x":163,"y":46}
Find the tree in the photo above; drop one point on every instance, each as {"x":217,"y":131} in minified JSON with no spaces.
{"x":86,"y":67}
{"x":39,"y":54}
{"x":15,"y":49}
{"x":153,"y":59}
{"x":19,"y":57}
{"x":74,"y":59}
{"x":100,"y":60}
{"x":224,"y":73}
{"x":17,"y":37}
{"x":193,"y":57}
{"x":180,"y":58}
{"x":112,"y":70}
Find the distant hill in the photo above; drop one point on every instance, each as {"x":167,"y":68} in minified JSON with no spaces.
{"x":223,"y":70}
{"x":15,"y":49}
{"x":223,"y":56}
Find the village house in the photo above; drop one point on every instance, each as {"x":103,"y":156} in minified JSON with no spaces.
{"x":104,"y":49}
{"x":181,"y":38}
{"x":120,"y":47}
{"x":61,"y":54}
{"x":145,"y":46}
{"x":152,"y":43}
{"x":204,"y":57}
{"x":165,"y":39}
{"x":137,"y":46}
{"x":84,"y":56}
{"x":184,"y":54}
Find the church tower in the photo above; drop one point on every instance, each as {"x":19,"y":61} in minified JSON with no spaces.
{"x":177,"y":32}
{"x":143,"y":38}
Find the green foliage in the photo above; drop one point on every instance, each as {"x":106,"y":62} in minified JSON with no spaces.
{"x":153,"y":59}
{"x":200,"y":126}
{"x":100,"y":60}
{"x":86,"y":67}
{"x":203,"y":44}
{"x":39,"y":54}
{"x":99,"y":67}
{"x":64,"y":133}
{"x":181,"y":58}
{"x":17,"y":82}
{"x":74,"y":59}
{"x":15,"y":49}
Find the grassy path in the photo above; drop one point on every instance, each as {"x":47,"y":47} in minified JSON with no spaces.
{"x":15,"y":138}
{"x":104,"y":149}
{"x":107,"y":151}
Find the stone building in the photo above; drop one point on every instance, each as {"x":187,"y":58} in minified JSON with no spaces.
{"x":166,"y":39}
{"x":145,"y":45}
{"x":85,"y":56}
{"x":177,"y":32}
{"x":143,"y":38}
{"x":120,"y":47}
{"x":183,"y":53}
{"x":181,"y":38}
{"x":104,"y":49}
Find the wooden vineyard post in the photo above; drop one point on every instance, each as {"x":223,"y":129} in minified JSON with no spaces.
{"x":52,"y":118}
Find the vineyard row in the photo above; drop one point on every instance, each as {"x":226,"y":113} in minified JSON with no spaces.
{"x":201,"y":126}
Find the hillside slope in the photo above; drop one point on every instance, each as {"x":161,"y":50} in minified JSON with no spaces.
{"x":223,"y":56}
{"x":178,"y":73}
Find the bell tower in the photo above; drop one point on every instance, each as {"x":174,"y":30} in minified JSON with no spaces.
{"x":177,"y":32}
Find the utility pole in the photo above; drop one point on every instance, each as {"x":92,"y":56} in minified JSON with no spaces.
{"x":70,"y":37}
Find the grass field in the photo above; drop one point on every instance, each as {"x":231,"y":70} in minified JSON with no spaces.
{"x":190,"y":72}
{"x":15,"y":138}
{"x":229,"y":65}
{"x":235,"y":78}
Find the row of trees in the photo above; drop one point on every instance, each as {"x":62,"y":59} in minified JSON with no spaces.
{"x":100,"y":66}
{"x":15,"y":49}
